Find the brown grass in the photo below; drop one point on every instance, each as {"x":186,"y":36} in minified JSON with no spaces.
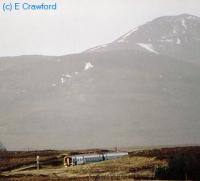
{"x":127,"y":167}
{"x":14,"y":159}
{"x":140,"y":164}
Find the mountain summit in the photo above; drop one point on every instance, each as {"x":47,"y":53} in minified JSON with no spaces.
{"x":175,"y":36}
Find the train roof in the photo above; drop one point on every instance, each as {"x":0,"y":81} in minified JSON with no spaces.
{"x":117,"y":153}
{"x":97,"y":155}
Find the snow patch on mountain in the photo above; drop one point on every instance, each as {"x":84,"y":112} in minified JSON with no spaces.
{"x":178,"y":41}
{"x":174,"y":30}
{"x":105,"y":45}
{"x":148,"y":47}
{"x":62,"y":79}
{"x":67,"y":76}
{"x":123,"y":38}
{"x":192,"y":17}
{"x":88,"y":66}
{"x":166,"y":40}
{"x":183,"y":23}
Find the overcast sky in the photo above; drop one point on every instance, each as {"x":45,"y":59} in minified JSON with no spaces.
{"x":80,"y":24}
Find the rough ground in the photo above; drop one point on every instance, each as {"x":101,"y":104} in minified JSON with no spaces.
{"x":138,"y":165}
{"x":127,"y":167}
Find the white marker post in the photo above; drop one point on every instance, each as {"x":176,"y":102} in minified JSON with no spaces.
{"x":38,"y":162}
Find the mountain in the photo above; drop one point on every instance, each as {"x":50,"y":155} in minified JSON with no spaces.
{"x":129,"y":92}
{"x":174,"y":36}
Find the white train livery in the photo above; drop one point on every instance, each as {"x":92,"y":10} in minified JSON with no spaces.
{"x":89,"y":158}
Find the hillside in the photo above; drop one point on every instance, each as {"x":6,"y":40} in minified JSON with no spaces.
{"x":127,"y":96}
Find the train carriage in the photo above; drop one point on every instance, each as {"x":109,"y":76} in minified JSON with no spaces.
{"x":89,"y":158}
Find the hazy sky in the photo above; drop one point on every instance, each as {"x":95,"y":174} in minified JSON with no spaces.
{"x":80,"y":24}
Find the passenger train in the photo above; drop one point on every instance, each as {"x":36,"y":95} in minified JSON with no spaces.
{"x":89,"y":158}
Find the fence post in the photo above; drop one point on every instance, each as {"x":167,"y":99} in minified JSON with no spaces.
{"x":38,"y":162}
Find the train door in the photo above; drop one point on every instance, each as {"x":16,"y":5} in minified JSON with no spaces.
{"x":67,"y":161}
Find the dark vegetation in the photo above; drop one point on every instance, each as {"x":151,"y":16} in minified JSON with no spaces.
{"x":180,"y":167}
{"x":183,"y":162}
{"x":167,"y":153}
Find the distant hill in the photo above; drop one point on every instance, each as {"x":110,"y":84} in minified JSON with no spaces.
{"x":142,"y":89}
{"x":2,"y":147}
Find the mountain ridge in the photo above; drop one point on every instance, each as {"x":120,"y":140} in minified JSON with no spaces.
{"x":175,"y":36}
